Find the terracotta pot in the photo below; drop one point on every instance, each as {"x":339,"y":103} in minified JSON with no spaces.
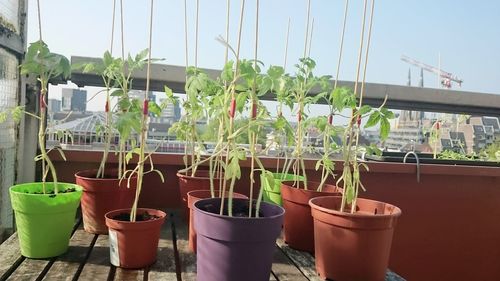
{"x":134,"y":244}
{"x":235,"y":248}
{"x":101,"y":195}
{"x":193,"y":197}
{"x":353,"y":247}
{"x":187,"y":183}
{"x":298,"y":229}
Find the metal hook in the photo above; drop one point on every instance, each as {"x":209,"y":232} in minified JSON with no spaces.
{"x":418,"y":163}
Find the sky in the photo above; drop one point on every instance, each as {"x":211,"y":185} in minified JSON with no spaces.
{"x":464,"y":34}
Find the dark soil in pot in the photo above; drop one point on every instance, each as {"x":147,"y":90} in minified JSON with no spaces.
{"x":298,"y":228}
{"x":140,"y":217}
{"x":235,"y":248}
{"x":134,"y":244}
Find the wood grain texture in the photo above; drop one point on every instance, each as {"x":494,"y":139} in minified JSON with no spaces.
{"x":187,"y":259}
{"x":29,"y":270}
{"x":284,"y":269}
{"x":164,"y":268}
{"x":9,"y":254}
{"x":66,"y":266}
{"x":97,"y":266}
{"x":302,"y":260}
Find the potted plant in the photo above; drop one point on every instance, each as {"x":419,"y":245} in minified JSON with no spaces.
{"x":199,"y":90}
{"x":45,"y":211}
{"x":241,"y":233}
{"x":103,"y":189}
{"x":279,"y":83}
{"x":134,"y":232}
{"x":298,"y":225}
{"x":352,"y":235}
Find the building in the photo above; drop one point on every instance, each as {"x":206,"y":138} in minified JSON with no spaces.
{"x":170,"y":114}
{"x":54,"y":105}
{"x":74,"y":100}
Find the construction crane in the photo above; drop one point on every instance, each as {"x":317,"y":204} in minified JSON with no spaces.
{"x":446,"y":77}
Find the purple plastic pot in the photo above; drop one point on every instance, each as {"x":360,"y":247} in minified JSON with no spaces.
{"x":235,"y":248}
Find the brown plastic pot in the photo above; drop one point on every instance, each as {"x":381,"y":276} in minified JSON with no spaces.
{"x":187,"y":183}
{"x":101,"y":195}
{"x":298,"y":230}
{"x":353,"y":247}
{"x":134,"y":244}
{"x":193,"y":197}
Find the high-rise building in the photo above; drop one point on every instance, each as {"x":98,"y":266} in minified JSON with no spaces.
{"x":74,"y":100}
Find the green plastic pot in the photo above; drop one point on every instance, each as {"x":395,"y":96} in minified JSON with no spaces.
{"x":44,"y":221}
{"x":272,"y":194}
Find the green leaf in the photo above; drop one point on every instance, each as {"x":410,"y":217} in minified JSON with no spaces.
{"x":364,"y":109}
{"x":117,"y":93}
{"x":373,"y":120}
{"x":385,"y":127}
{"x":154,"y":108}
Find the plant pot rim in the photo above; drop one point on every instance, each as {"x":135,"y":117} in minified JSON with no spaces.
{"x":94,"y":178}
{"x":76,"y":186}
{"x":161,"y":213}
{"x":185,"y":175}
{"x":192,"y":192}
{"x":201,"y":201}
{"x":396,"y":211}
{"x":310,"y":183}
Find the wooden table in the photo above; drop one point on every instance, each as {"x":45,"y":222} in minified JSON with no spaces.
{"x":88,"y":259}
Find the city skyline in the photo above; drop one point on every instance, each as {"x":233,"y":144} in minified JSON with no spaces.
{"x":398,"y":29}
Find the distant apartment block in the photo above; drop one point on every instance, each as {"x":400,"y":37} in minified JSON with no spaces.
{"x":74,"y":100}
{"x":54,"y":105}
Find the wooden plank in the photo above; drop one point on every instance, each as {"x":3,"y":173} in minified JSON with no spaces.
{"x":29,"y":270}
{"x":164,"y":268}
{"x":284,"y":269}
{"x":97,"y":266}
{"x":129,"y":274}
{"x":67,"y":265}
{"x":9,"y":254}
{"x":187,"y":259}
{"x":305,"y":262}
{"x":302,"y":260}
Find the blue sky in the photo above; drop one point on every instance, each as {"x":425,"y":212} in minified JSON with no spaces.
{"x":465,"y":33}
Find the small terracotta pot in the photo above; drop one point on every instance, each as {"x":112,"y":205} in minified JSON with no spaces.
{"x":134,"y":244}
{"x":298,"y":229}
{"x":101,"y":195}
{"x":235,"y":248}
{"x":193,"y":197}
{"x":353,"y":247}
{"x":187,"y":183}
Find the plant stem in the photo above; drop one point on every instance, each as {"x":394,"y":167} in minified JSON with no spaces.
{"x":41,"y":141}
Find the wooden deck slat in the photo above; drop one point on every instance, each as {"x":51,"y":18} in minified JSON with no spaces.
{"x":129,"y":275}
{"x":284,"y":269}
{"x":164,"y":268}
{"x":302,"y":260}
{"x":187,"y":259}
{"x":66,"y":266}
{"x":29,"y":270}
{"x":97,"y":266}
{"x":288,"y":264}
{"x":9,"y":254}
